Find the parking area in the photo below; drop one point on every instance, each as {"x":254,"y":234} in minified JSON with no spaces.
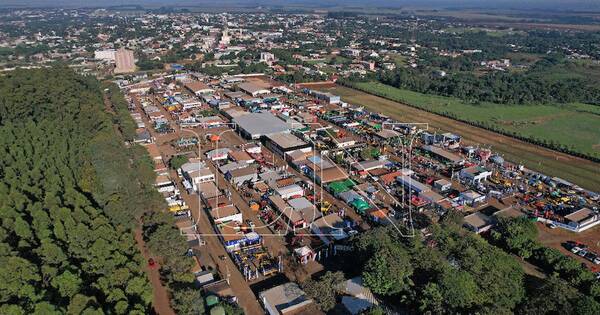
{"x":561,"y":239}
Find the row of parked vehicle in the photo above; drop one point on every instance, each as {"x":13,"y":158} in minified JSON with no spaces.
{"x":582,"y":250}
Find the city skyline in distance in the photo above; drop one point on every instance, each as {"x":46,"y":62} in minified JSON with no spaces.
{"x":550,"y":5}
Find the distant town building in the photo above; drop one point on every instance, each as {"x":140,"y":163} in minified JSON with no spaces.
{"x":267,"y":58}
{"x":107,"y":54}
{"x":225,"y":38}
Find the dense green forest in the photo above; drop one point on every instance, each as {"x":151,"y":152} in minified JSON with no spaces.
{"x":70,"y":198}
{"x":536,"y":86}
{"x":458,"y":272}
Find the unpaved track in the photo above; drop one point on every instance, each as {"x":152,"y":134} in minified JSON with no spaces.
{"x":160,"y":296}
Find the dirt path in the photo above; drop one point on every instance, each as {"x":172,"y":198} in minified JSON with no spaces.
{"x":577,"y":170}
{"x":160,"y":296}
{"x":213,"y":247}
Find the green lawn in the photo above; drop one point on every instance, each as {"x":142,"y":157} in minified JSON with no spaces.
{"x":576,"y":126}
{"x":398,"y":59}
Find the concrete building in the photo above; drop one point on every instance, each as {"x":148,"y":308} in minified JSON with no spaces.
{"x":475,"y":174}
{"x":344,"y":142}
{"x":471,"y":197}
{"x":218,"y":154}
{"x":306,"y":208}
{"x":370,"y":165}
{"x":196,"y":173}
{"x":209,"y":190}
{"x":267,"y":58}
{"x":326,"y":96}
{"x":291,"y":217}
{"x":442,"y":184}
{"x":323,"y":170}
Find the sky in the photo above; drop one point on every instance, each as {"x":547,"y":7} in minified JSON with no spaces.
{"x":571,"y":5}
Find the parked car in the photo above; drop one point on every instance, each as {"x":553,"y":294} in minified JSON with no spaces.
{"x":352,"y":232}
{"x":576,"y":243}
{"x":596,"y":260}
{"x":552,"y":226}
{"x":575,"y":249}
{"x":582,"y":252}
{"x":590,"y":256}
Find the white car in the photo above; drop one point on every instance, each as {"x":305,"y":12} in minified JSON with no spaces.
{"x":575,"y":250}
{"x":596,"y":261}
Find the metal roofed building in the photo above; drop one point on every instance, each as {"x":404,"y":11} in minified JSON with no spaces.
{"x":254,"y":88}
{"x":306,"y":208}
{"x":198,"y":87}
{"x":226,"y":214}
{"x":443,"y":155}
{"x":284,"y":299}
{"x":289,"y":191}
{"x":478,"y":222}
{"x":241,"y":175}
{"x":293,"y":218}
{"x":412,"y":184}
{"x":300,"y":203}
{"x":329,"y":228}
{"x":583,"y":219}
{"x":209,"y":190}
{"x":369,"y":165}
{"x":358,"y":298}
{"x":282,"y":143}
{"x":255,"y":125}
{"x":475,"y":174}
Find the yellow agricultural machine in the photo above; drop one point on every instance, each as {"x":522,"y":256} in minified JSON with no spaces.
{"x":325,"y":207}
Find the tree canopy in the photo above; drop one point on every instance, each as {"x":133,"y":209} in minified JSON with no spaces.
{"x":69,"y":198}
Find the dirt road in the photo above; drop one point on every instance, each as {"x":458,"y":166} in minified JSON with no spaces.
{"x":160,"y":296}
{"x":246,"y":298}
{"x":213,"y":247}
{"x":580,"y":171}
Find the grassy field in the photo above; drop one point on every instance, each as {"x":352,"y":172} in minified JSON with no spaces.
{"x":573,"y":125}
{"x":561,"y":123}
